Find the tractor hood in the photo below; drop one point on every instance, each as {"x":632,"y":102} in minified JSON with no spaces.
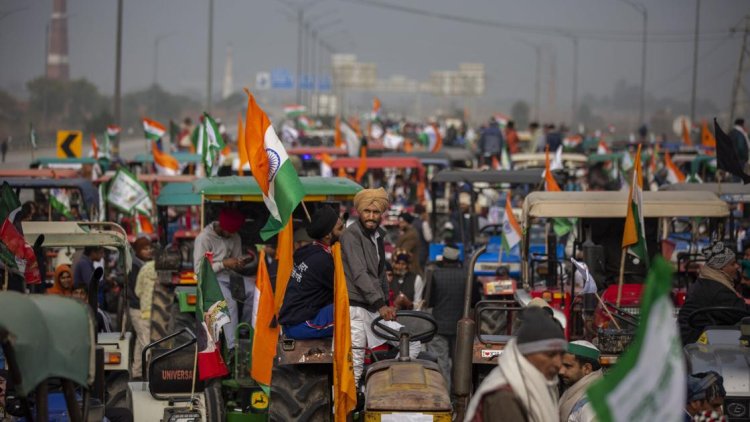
{"x":731,"y":361}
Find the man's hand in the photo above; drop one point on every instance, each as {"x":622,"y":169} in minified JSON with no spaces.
{"x":387,"y":312}
{"x":231,"y":263}
{"x":402,"y":302}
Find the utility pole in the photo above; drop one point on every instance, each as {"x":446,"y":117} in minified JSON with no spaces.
{"x":695,"y":58}
{"x":641,"y":8}
{"x":739,"y":91}
{"x":300,"y":28}
{"x":118,"y":79}
{"x":210,"y":54}
{"x":538,"y":83}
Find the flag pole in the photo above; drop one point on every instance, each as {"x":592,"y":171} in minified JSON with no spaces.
{"x":606,"y":309}
{"x":307,"y":213}
{"x":622,"y":275}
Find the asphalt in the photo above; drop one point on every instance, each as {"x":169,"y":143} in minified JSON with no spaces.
{"x":22,"y":159}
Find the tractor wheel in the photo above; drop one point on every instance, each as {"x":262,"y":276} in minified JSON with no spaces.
{"x":117,"y":389}
{"x":161,"y":312}
{"x":300,"y":393}
{"x":214,"y":402}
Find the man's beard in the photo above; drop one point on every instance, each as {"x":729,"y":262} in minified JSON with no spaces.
{"x":368,"y":230}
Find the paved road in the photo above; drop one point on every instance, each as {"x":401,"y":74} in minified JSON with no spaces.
{"x":21,"y":159}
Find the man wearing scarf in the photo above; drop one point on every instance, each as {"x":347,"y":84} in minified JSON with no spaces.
{"x":715,"y":286}
{"x":363,"y":254}
{"x":523,"y":386}
{"x":580,"y":368}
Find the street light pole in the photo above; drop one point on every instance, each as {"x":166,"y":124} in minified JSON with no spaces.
{"x":210,"y":53}
{"x":118,"y":79}
{"x":641,"y":8}
{"x":695,"y":58}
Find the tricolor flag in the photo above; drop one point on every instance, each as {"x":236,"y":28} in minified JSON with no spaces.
{"x":304,"y":123}
{"x":353,"y":137}
{"x":211,"y":143}
{"x":557,"y":162}
{"x":275,"y":174}
{"x":602,"y":148}
{"x":294,"y":110}
{"x":14,"y":251}
{"x":94,"y":147}
{"x":338,"y":137}
{"x":212,"y":314}
{"x":686,"y":133}
{"x":674,"y":175}
{"x":113,"y":130}
{"x":550,"y":184}
{"x":511,"y":228}
{"x":325,"y":165}
{"x":634,"y":235}
{"x":265,"y":327}
{"x":153,"y":129}
{"x":375,"y":108}
{"x":59,"y":199}
{"x":642,"y":387}
{"x":164,"y":162}
{"x":344,"y":390}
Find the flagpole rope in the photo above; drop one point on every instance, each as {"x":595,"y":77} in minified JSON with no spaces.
{"x":622,"y":275}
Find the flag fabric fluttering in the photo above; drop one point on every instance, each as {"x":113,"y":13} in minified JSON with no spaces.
{"x":344,"y":390}
{"x":589,"y":284}
{"x":338,"y":137}
{"x":153,"y":129}
{"x":165,"y":163}
{"x":438,"y":138}
{"x":59,"y":199}
{"x":375,"y":108}
{"x":94,"y":147}
{"x":15,"y":252}
{"x":32,"y":136}
{"x":272,"y":169}
{"x":212,"y":314}
{"x":634,"y":235}
{"x":352,"y":138}
{"x":674,"y":174}
{"x":686,"y":133}
{"x":362,"y":166}
{"x":265,"y":327}
{"x":211,"y":145}
{"x":285,"y":259}
{"x":707,"y":138}
{"x":641,"y":387}
{"x":602,"y":148}
{"x":127,"y":194}
{"x":727,"y":158}
{"x":511,"y":228}
{"x":241,"y":147}
{"x":294,"y":110}
{"x":550,"y":184}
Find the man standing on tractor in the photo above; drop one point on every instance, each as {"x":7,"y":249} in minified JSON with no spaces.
{"x":523,"y":386}
{"x":406,"y":286}
{"x":363,"y":253}
{"x":580,"y":368}
{"x":221,"y":239}
{"x":307,"y":311}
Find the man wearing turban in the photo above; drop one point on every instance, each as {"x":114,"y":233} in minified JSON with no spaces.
{"x":715,"y":286}
{"x":363,"y":254}
{"x":307,"y":311}
{"x":221,"y":239}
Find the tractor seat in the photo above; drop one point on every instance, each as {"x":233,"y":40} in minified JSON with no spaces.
{"x":170,"y":372}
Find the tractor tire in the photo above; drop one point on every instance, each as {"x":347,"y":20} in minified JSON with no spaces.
{"x":214,"y":402}
{"x":301,"y":393}
{"x":117,"y":389}
{"x":161,"y":312}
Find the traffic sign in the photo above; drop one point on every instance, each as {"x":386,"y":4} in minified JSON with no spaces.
{"x":262,"y":81}
{"x":69,"y":143}
{"x":307,"y":82}
{"x":282,"y":79}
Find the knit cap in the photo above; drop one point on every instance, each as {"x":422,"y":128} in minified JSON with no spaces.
{"x":540,"y":333}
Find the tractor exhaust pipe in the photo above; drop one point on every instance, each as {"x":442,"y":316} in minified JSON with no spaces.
{"x":465,"y":330}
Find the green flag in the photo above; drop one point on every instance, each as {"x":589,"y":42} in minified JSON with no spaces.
{"x":648,"y":382}
{"x":211,"y":145}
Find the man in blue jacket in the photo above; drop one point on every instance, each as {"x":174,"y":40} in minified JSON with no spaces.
{"x":307,"y":311}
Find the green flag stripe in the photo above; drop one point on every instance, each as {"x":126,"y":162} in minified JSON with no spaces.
{"x":655,"y":289}
{"x":288,"y":192}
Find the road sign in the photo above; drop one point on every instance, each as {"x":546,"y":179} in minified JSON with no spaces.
{"x":69,"y":143}
{"x":307,"y":82}
{"x":325,"y":83}
{"x":282,"y":79}
{"x":263,"y":81}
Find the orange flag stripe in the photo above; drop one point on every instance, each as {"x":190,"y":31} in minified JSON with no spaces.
{"x":549,"y":179}
{"x":338,"y":138}
{"x":256,"y":124}
{"x":285,"y":256}
{"x":344,"y":391}
{"x":362,"y":168}
{"x":265,"y":336}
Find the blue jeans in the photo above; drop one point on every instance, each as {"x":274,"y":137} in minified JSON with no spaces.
{"x":319,"y":327}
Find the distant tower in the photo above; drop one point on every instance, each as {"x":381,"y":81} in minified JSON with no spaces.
{"x":57,"y":55}
{"x":228,"y":85}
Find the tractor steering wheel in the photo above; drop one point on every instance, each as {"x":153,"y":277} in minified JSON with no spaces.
{"x":708,"y":312}
{"x":392,"y":334}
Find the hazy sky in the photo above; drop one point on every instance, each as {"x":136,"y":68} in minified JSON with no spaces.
{"x":265,"y":37}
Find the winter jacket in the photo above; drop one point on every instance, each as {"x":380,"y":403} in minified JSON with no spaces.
{"x":364,"y":267}
{"x":310,"y":286}
{"x":491,"y":142}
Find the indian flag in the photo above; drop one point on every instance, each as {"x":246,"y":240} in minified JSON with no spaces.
{"x":211,"y":143}
{"x":164,"y":162}
{"x":550,"y":184}
{"x":634,"y":236}
{"x":113,"y":130}
{"x":305,"y":123}
{"x":275,"y":174}
{"x":375,"y":108}
{"x":674,"y":175}
{"x":153,"y":129}
{"x":511,"y":228}
{"x":648,"y":381}
{"x":294,"y":110}
{"x":602,"y":148}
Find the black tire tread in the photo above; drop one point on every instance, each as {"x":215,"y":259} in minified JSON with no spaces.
{"x":300,"y":393}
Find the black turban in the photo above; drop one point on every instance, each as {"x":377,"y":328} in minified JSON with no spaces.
{"x":323,"y":222}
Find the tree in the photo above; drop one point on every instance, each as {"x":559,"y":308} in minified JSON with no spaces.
{"x":520,"y":114}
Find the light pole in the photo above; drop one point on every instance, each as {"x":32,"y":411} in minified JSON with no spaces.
{"x":314,"y":60}
{"x":210,"y":53}
{"x":157,"y":41}
{"x":118,"y":79}
{"x":695,"y":58}
{"x":574,"y":102}
{"x":641,"y":8}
